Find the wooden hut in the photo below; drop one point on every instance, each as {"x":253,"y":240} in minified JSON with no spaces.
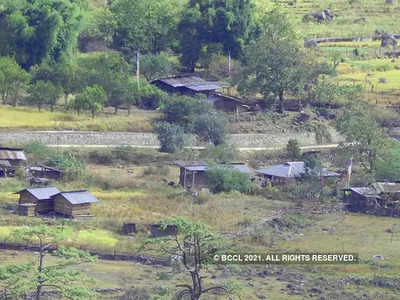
{"x":42,"y":171}
{"x":74,"y":204}
{"x":193,"y":174}
{"x":40,"y":197}
{"x":15,"y":156}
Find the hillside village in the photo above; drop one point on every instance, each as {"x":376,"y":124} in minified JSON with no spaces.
{"x":142,"y":141}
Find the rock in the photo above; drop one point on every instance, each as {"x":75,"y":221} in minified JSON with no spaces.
{"x":310,"y":44}
{"x":260,"y":296}
{"x":315,"y":290}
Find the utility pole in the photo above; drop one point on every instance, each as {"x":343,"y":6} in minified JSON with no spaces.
{"x":138,"y":68}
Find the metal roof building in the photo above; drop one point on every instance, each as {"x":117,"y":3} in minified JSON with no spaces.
{"x":12,"y":154}
{"x":44,"y":193}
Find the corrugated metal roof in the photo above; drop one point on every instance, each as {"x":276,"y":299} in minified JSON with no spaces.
{"x":12,"y":154}
{"x":200,"y":166}
{"x":293,"y":169}
{"x":79,"y":197}
{"x":364,"y":191}
{"x":387,"y":187}
{"x":42,"y":193}
{"x":192,"y":82}
{"x":5,"y":163}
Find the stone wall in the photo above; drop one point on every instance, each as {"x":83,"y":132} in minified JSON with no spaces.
{"x":150,"y":139}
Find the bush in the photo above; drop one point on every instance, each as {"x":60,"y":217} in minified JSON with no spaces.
{"x":293,"y":149}
{"x":211,"y":127}
{"x":225,"y":179}
{"x":68,"y":162}
{"x":38,"y":151}
{"x":220,"y":153}
{"x":171,"y":137}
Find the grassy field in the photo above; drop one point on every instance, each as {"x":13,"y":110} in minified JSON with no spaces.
{"x":28,"y":118}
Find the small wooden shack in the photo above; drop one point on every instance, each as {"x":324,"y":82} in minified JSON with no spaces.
{"x":192,"y":174}
{"x":42,"y":171}
{"x":40,"y":197}
{"x":74,"y":203}
{"x":381,"y":198}
{"x":15,"y":156}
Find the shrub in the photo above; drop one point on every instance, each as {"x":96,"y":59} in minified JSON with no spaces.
{"x":293,"y":149}
{"x":225,"y":179}
{"x":38,"y":151}
{"x":171,"y":137}
{"x":68,"y":162}
{"x":211,"y":127}
{"x":220,"y":153}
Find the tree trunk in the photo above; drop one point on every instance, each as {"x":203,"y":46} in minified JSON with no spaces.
{"x":115,"y":109}
{"x":40,"y":270}
{"x":92,"y":114}
{"x":281,"y":108}
{"x":129,"y":110}
{"x":196,"y":281}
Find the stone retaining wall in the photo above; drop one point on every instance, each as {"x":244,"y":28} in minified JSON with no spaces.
{"x":150,"y":139}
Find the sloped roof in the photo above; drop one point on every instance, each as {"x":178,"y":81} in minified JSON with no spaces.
{"x":386,"y":187}
{"x":194,"y":83}
{"x":44,"y":193}
{"x":293,"y":169}
{"x":12,"y":154}
{"x":364,"y":191}
{"x":78,"y":197}
{"x":5,"y":163}
{"x":201,"y":166}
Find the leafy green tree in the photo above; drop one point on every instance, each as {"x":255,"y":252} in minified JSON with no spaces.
{"x":225,"y":179}
{"x":13,"y":80}
{"x":23,"y":280}
{"x":274,"y":63}
{"x":365,"y":139}
{"x":156,"y":66}
{"x":144,"y":25}
{"x":195,"y":244}
{"x":183,"y":110}
{"x":32,"y":30}
{"x":388,"y":166}
{"x":171,"y":137}
{"x":205,"y":24}
{"x":108,"y":70}
{"x":212,"y":127}
{"x":293,"y":149}
{"x":92,"y":98}
{"x":44,"y":93}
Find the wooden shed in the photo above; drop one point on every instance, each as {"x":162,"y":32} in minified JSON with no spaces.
{"x":42,"y":171}
{"x":74,"y":203}
{"x":15,"y":156}
{"x":192,"y":174}
{"x":40,"y":197}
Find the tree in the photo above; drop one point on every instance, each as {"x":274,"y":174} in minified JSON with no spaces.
{"x":32,"y":30}
{"x":92,"y":99}
{"x":23,"y":280}
{"x":388,"y":166}
{"x":195,"y":243}
{"x":156,"y":66}
{"x":44,"y":93}
{"x":147,"y":26}
{"x":171,"y":137}
{"x":274,"y":63}
{"x":365,"y":139}
{"x":226,"y":179}
{"x":108,"y":70}
{"x":183,"y":110}
{"x":13,"y":80}
{"x":211,"y":127}
{"x":205,"y":24}
{"x":293,"y":149}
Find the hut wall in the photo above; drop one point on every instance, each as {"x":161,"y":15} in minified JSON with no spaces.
{"x":62,"y":206}
{"x":42,"y":206}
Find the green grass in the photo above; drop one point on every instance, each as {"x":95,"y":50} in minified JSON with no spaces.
{"x":29,"y":118}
